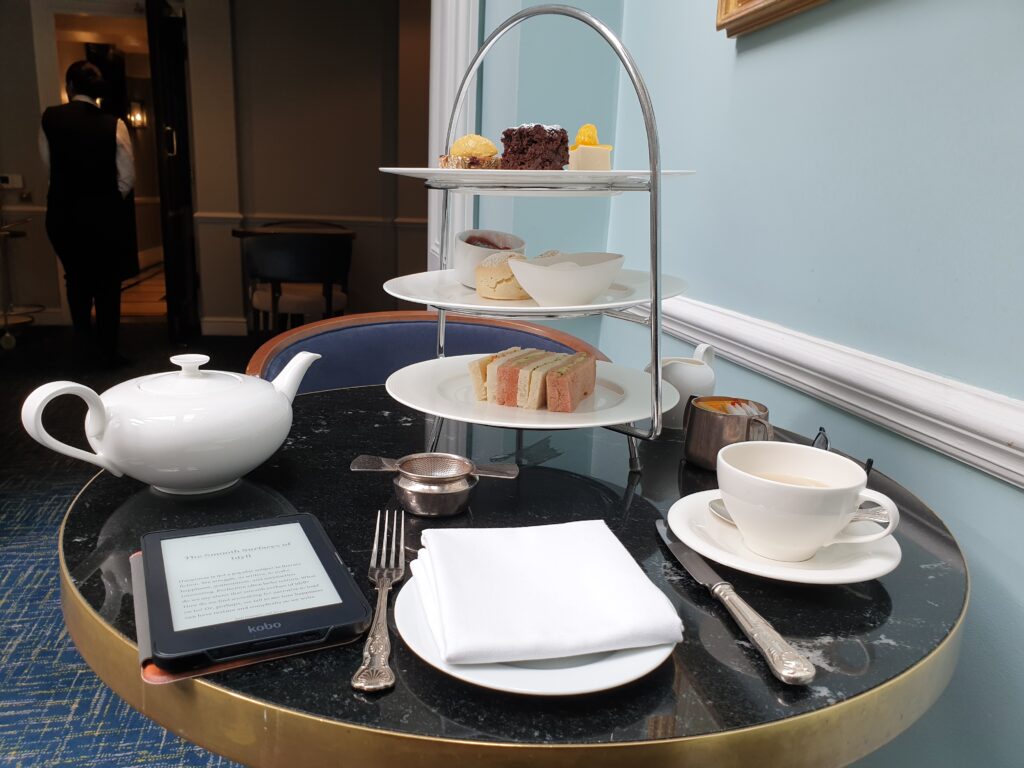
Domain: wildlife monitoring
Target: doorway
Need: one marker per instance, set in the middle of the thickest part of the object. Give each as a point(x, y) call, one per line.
point(119, 46)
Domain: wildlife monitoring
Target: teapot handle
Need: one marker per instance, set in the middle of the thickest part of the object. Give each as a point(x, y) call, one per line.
point(95, 421)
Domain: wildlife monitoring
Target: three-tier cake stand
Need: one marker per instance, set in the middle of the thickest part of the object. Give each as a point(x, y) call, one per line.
point(441, 290)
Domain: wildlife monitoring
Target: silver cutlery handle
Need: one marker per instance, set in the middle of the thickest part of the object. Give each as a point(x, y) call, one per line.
point(504, 471)
point(374, 674)
point(366, 463)
point(784, 660)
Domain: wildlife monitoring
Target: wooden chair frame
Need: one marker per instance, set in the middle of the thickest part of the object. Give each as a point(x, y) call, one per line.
point(272, 348)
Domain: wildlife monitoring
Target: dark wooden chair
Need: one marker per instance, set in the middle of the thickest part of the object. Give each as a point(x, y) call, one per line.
point(292, 271)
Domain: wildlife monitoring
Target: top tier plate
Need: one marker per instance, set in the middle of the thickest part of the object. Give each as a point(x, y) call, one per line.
point(533, 182)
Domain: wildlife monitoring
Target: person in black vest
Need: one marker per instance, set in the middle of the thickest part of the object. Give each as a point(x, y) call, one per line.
point(89, 153)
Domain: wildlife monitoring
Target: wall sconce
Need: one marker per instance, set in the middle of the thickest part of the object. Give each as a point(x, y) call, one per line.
point(137, 115)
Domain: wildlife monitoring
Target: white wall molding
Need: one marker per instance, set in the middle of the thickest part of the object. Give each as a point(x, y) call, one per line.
point(41, 207)
point(380, 221)
point(216, 217)
point(454, 39)
point(981, 428)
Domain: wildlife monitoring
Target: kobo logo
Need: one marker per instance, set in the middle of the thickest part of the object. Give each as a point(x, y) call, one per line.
point(264, 627)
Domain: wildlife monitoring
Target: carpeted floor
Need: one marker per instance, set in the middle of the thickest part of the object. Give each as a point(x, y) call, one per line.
point(53, 710)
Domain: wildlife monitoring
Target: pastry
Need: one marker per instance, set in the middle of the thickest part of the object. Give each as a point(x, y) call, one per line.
point(571, 382)
point(587, 154)
point(535, 147)
point(471, 151)
point(494, 278)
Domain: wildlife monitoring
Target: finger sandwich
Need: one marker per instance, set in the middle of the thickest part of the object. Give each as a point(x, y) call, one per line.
point(572, 382)
point(517, 369)
point(534, 378)
point(478, 370)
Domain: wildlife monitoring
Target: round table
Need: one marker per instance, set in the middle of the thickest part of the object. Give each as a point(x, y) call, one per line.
point(884, 649)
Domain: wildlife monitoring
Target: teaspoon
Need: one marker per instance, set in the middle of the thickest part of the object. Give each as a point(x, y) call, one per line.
point(873, 514)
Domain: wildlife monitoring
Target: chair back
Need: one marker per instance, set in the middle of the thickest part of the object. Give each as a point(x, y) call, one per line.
point(297, 258)
point(360, 350)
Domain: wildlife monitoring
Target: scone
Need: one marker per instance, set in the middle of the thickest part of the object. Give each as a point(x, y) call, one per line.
point(494, 278)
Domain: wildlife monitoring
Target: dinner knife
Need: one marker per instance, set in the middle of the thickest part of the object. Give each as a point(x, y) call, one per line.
point(783, 659)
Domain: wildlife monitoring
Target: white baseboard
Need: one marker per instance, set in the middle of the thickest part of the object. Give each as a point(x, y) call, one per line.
point(223, 326)
point(981, 428)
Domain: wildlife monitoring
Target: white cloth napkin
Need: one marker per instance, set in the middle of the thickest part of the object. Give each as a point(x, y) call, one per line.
point(542, 592)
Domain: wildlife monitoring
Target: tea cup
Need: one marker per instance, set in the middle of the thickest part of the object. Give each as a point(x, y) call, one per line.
point(788, 501)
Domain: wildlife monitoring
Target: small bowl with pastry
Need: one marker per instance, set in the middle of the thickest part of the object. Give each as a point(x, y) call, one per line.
point(475, 245)
point(556, 279)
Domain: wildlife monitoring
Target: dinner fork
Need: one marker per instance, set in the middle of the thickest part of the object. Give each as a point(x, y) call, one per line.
point(386, 569)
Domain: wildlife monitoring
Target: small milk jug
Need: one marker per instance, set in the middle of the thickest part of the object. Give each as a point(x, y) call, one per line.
point(692, 376)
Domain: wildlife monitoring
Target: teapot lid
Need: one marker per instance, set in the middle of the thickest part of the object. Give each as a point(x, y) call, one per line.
point(189, 380)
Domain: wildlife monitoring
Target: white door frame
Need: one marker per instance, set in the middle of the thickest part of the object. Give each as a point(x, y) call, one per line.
point(454, 40)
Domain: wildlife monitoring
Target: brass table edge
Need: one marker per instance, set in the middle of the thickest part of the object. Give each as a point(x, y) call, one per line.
point(256, 732)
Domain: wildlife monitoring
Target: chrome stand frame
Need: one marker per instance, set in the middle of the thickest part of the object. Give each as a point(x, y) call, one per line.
point(653, 187)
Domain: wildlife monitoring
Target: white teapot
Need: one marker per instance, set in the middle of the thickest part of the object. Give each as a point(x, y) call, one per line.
point(186, 431)
point(692, 376)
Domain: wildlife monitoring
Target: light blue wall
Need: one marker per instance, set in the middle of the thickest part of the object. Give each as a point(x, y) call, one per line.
point(571, 76)
point(859, 179)
point(860, 173)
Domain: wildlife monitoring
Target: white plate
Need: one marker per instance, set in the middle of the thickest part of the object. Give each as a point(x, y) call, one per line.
point(532, 182)
point(697, 527)
point(548, 677)
point(442, 387)
point(441, 288)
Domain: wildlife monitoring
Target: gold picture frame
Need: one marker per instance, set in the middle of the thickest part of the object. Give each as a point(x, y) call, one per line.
point(737, 17)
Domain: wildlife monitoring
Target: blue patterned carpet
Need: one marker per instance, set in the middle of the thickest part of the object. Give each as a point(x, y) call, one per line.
point(54, 711)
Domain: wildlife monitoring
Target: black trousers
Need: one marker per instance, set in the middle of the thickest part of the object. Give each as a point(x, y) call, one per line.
point(99, 288)
point(89, 249)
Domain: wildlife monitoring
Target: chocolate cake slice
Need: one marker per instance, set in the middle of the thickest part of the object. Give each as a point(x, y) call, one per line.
point(535, 147)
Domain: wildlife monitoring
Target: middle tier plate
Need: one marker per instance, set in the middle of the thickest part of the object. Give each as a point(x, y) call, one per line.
point(440, 288)
point(442, 387)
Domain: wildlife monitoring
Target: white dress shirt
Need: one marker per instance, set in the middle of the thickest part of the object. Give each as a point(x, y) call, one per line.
point(124, 156)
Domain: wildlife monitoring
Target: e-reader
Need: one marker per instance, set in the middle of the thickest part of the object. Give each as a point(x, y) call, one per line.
point(233, 591)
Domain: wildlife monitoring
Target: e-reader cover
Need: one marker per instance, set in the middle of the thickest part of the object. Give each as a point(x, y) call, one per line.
point(154, 674)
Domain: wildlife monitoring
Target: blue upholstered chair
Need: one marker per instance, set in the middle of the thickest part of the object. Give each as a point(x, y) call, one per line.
point(365, 349)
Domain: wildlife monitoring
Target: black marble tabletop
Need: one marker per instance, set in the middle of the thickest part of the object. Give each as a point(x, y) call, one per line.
point(857, 635)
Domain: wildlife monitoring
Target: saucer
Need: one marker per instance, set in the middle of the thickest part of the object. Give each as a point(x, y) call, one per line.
point(696, 526)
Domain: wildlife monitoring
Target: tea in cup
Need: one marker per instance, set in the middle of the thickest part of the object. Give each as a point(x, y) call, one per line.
point(788, 501)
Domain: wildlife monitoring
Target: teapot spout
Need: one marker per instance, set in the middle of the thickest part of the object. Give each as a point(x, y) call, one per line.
point(288, 380)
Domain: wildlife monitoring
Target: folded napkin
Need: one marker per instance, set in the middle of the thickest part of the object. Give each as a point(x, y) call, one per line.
point(543, 592)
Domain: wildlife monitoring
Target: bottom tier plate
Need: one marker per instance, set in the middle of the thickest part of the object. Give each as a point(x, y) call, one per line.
point(443, 388)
